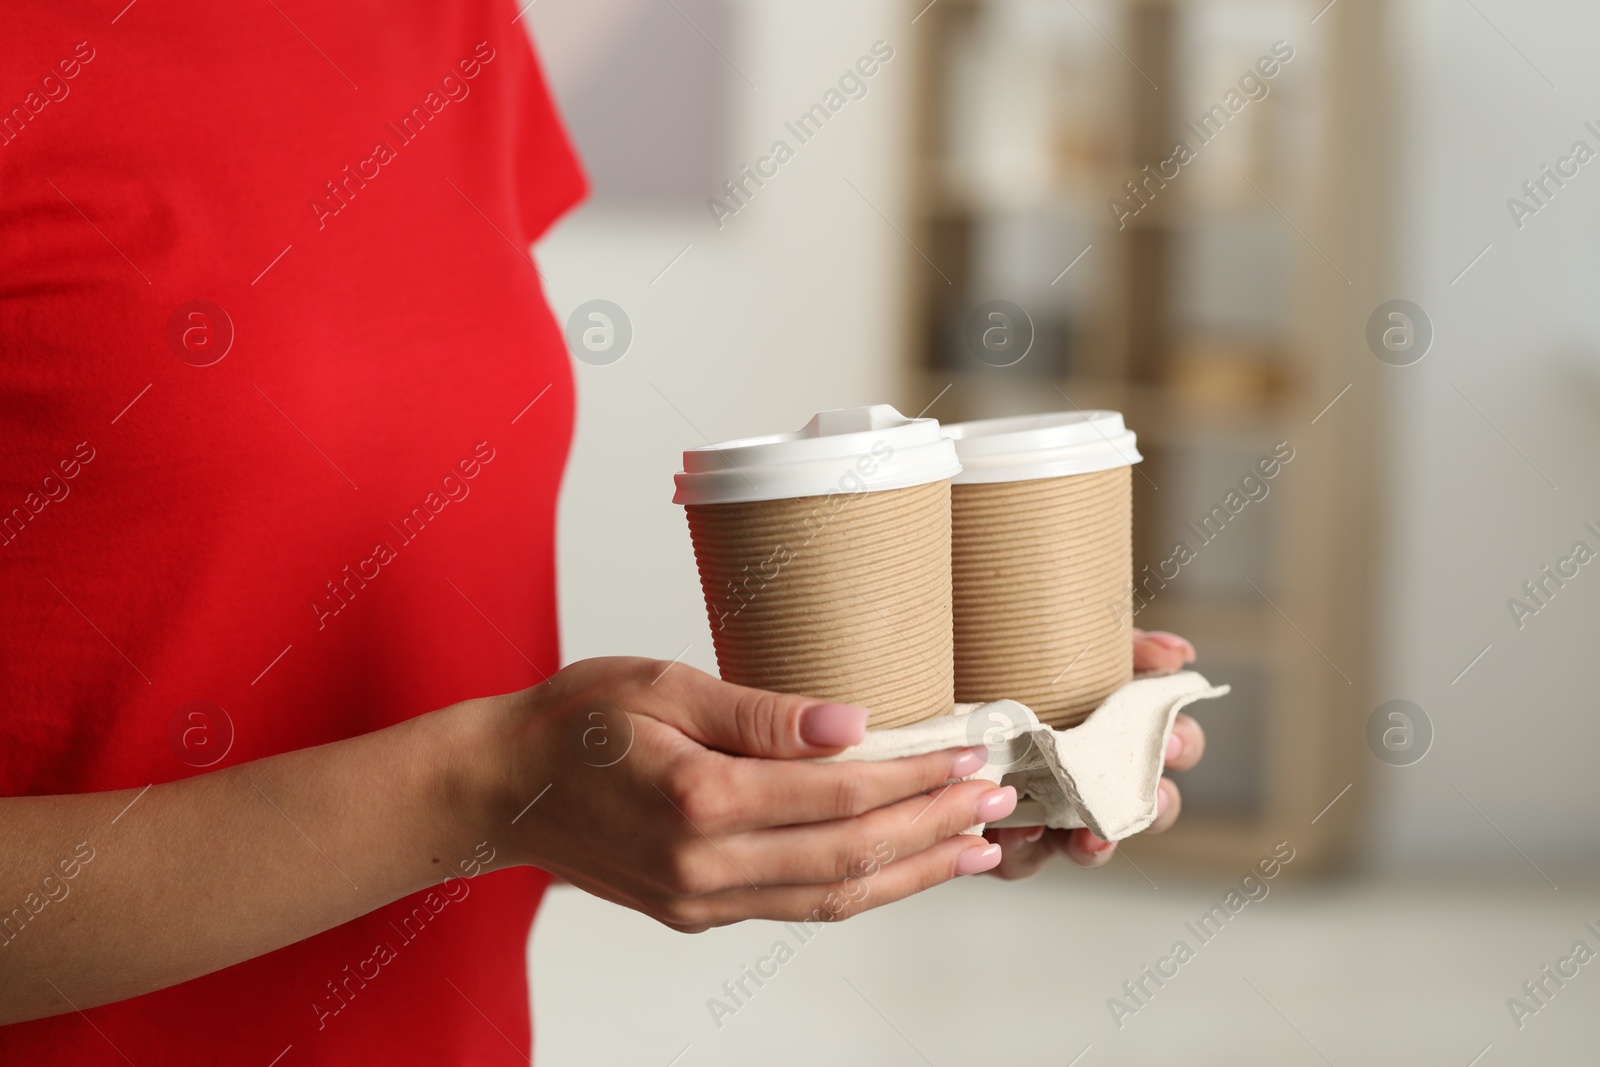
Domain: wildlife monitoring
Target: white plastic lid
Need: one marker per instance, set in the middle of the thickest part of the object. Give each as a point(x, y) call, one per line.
point(1023, 447)
point(850, 450)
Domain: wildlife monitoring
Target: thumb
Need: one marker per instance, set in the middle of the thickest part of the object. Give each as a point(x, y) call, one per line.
point(753, 722)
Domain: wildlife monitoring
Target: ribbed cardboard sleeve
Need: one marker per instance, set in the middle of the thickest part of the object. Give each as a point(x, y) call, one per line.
point(844, 597)
point(1040, 572)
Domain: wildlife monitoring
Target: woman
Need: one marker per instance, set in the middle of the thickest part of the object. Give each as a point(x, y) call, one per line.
point(285, 416)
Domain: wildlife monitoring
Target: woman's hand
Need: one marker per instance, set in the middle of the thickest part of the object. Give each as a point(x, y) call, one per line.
point(634, 780)
point(1025, 849)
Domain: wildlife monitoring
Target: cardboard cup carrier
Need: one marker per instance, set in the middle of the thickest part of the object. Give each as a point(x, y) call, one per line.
point(1042, 559)
point(824, 557)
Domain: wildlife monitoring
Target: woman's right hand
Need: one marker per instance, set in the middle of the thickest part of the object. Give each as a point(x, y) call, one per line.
point(693, 800)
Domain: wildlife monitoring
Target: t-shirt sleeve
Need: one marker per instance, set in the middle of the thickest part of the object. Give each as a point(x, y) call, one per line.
point(547, 179)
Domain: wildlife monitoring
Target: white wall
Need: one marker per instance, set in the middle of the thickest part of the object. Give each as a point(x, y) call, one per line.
point(1519, 335)
point(792, 307)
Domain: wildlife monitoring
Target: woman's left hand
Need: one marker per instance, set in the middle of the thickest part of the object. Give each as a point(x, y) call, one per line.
point(1025, 849)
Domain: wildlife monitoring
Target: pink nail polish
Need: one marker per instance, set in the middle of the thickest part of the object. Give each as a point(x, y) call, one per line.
point(1174, 747)
point(833, 725)
point(1095, 844)
point(969, 762)
point(1172, 642)
point(996, 805)
point(1033, 834)
point(978, 860)
point(1161, 800)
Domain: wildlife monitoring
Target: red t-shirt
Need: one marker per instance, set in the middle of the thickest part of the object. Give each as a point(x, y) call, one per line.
point(283, 414)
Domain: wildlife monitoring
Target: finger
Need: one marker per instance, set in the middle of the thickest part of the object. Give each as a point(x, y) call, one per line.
point(885, 883)
point(753, 722)
point(829, 852)
point(1169, 802)
point(1082, 847)
point(1160, 651)
point(1185, 745)
point(756, 794)
point(1023, 851)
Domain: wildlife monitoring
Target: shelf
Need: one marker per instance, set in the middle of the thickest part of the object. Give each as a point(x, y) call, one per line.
point(1232, 361)
point(944, 197)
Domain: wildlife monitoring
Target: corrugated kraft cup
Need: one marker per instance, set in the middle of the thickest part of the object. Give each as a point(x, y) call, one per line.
point(1042, 558)
point(824, 558)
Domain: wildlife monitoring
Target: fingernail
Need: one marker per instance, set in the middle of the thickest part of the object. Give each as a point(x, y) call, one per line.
point(1174, 747)
point(1172, 642)
point(969, 762)
point(833, 725)
point(1095, 843)
point(1161, 800)
point(1032, 835)
point(978, 860)
point(997, 804)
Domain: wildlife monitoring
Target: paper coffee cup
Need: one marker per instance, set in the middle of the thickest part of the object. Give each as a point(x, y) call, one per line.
point(1042, 560)
point(824, 558)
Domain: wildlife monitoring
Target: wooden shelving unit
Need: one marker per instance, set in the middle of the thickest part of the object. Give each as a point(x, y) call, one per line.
point(1032, 116)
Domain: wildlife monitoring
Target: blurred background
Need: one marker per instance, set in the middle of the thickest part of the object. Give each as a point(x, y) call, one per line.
point(1231, 300)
